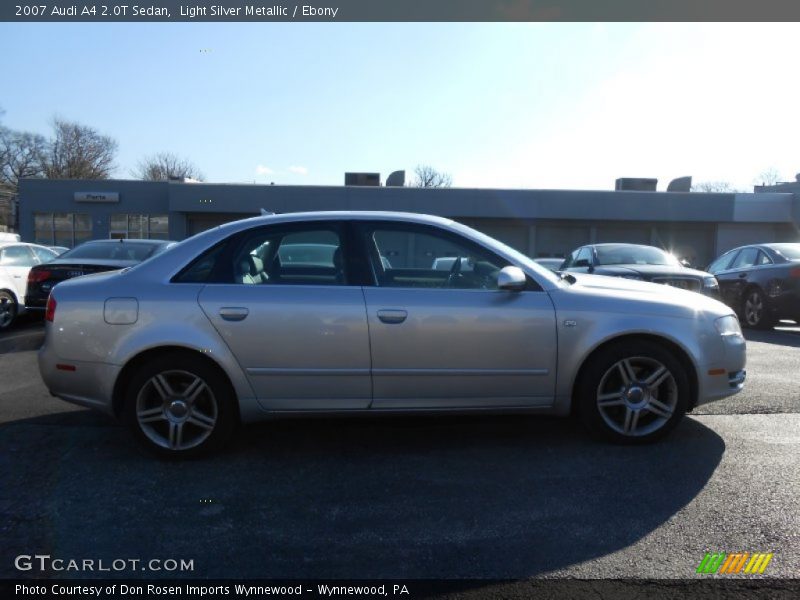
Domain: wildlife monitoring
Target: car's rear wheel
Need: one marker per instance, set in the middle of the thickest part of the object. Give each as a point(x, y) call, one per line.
point(8, 309)
point(180, 406)
point(633, 392)
point(756, 310)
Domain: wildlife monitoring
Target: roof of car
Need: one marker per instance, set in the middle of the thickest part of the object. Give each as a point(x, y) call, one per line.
point(128, 241)
point(346, 214)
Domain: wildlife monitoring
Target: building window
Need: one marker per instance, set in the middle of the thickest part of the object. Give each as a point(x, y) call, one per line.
point(61, 229)
point(123, 226)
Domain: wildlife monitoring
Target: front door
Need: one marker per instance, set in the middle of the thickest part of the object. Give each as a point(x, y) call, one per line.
point(442, 334)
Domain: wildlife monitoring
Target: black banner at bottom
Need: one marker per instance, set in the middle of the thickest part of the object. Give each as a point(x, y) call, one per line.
point(597, 589)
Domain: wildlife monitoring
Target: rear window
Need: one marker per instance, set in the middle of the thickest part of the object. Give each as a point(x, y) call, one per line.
point(114, 251)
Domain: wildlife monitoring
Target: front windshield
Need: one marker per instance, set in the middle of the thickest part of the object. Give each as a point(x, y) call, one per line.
point(788, 251)
point(516, 255)
point(627, 254)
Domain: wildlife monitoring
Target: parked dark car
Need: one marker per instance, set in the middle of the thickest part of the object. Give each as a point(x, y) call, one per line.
point(90, 257)
point(761, 283)
point(645, 263)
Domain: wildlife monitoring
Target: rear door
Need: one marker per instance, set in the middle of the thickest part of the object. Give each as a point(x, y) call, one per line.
point(281, 298)
point(442, 335)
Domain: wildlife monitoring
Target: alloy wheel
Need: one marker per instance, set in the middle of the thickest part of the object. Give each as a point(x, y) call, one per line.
point(753, 308)
point(637, 396)
point(7, 311)
point(176, 410)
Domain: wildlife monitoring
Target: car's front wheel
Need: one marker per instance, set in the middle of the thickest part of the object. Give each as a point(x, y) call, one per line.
point(633, 392)
point(8, 309)
point(180, 406)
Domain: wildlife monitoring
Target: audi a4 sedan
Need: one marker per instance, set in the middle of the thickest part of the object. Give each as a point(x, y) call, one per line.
point(90, 257)
point(645, 263)
point(245, 322)
point(761, 282)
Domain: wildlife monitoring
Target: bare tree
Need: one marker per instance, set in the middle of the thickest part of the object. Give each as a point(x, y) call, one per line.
point(769, 176)
point(425, 176)
point(78, 152)
point(165, 166)
point(20, 156)
point(720, 187)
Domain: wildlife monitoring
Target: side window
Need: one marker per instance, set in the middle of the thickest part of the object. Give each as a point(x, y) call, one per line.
point(763, 259)
point(746, 258)
point(584, 258)
point(722, 262)
point(424, 257)
point(43, 254)
point(16, 256)
point(274, 255)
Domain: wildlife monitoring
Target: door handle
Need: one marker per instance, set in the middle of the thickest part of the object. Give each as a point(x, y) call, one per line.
point(392, 315)
point(233, 313)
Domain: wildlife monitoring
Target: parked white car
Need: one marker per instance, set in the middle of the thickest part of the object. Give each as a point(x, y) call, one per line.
point(16, 259)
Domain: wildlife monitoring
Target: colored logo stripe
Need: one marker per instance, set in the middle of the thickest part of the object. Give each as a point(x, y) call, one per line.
point(723, 563)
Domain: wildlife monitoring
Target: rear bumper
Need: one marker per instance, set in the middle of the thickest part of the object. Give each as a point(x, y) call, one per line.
point(35, 302)
point(90, 384)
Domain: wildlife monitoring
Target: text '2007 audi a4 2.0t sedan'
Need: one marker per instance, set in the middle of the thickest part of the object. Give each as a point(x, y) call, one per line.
point(350, 312)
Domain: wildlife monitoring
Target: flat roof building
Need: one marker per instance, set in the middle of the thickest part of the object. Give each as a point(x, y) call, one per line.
point(696, 226)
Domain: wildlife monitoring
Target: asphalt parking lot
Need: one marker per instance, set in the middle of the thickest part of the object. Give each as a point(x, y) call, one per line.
point(480, 497)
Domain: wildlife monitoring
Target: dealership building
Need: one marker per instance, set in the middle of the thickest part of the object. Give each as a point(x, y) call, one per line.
point(540, 223)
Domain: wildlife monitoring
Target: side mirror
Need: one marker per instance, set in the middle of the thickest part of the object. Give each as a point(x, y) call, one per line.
point(511, 279)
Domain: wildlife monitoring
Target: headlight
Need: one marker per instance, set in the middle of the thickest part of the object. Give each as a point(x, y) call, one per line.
point(728, 325)
point(710, 282)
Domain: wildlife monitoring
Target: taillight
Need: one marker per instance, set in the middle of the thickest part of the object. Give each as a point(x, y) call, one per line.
point(794, 273)
point(37, 275)
point(50, 313)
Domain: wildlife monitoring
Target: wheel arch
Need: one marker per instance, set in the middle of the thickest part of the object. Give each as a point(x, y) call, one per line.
point(135, 362)
point(680, 353)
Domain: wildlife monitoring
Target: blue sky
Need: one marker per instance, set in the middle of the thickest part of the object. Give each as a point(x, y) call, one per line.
point(496, 105)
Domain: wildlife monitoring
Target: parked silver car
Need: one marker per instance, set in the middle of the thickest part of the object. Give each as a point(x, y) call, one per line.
point(226, 327)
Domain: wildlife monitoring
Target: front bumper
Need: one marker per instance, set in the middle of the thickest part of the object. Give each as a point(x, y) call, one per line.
point(726, 376)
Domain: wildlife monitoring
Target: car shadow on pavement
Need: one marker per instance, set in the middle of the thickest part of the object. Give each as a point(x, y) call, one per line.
point(779, 337)
point(426, 497)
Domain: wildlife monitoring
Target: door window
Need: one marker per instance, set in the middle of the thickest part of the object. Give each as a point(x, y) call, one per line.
point(763, 259)
point(746, 258)
point(722, 262)
point(425, 257)
point(278, 255)
point(16, 256)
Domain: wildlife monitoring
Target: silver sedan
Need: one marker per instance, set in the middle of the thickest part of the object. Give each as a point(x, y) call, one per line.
point(353, 312)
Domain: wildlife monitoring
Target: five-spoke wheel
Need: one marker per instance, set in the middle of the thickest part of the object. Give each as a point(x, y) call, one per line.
point(633, 392)
point(179, 405)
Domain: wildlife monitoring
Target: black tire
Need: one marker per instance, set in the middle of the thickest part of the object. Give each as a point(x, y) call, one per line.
point(8, 309)
point(649, 418)
point(199, 425)
point(755, 310)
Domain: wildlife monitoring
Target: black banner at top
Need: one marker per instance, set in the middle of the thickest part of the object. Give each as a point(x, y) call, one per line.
point(398, 10)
